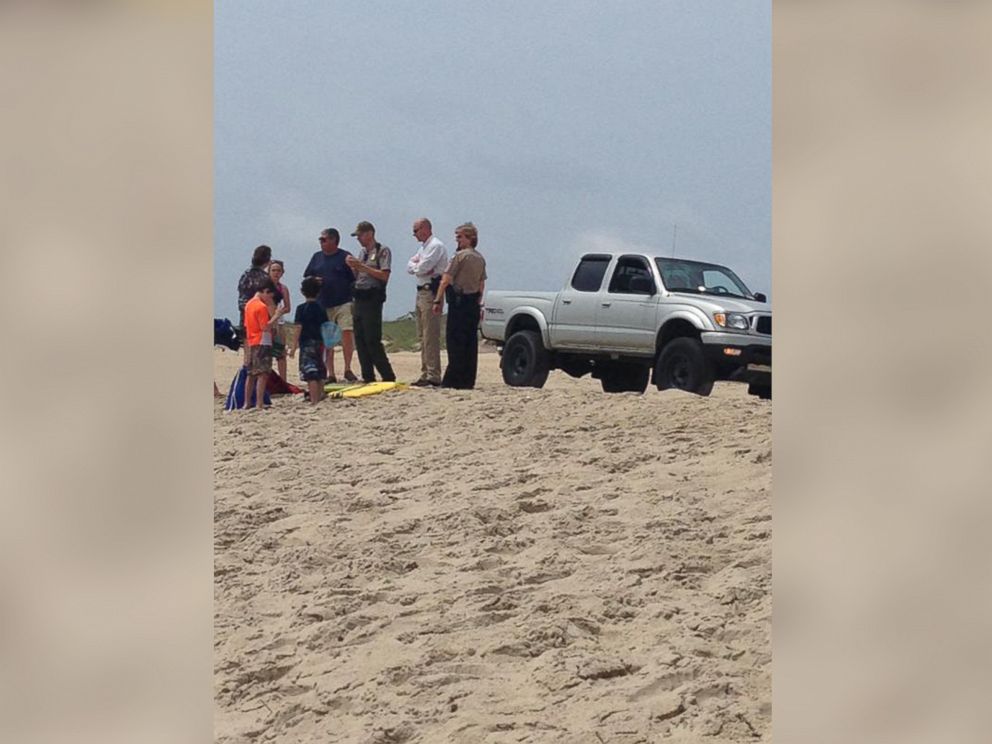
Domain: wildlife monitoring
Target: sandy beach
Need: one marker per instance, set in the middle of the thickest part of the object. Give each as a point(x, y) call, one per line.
point(496, 565)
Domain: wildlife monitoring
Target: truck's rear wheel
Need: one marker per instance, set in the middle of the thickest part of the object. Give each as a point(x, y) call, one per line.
point(623, 377)
point(525, 361)
point(682, 365)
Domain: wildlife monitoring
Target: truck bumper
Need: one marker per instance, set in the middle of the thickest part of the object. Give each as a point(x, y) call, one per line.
point(741, 349)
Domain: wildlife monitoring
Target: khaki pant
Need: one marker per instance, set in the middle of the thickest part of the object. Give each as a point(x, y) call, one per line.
point(429, 333)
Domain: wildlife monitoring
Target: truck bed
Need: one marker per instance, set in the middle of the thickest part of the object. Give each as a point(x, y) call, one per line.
point(500, 302)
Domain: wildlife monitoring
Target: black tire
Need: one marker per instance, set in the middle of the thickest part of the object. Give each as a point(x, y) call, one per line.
point(525, 361)
point(623, 377)
point(762, 391)
point(683, 366)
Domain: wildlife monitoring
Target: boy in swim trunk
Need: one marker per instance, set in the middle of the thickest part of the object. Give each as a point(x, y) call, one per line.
point(310, 315)
point(260, 317)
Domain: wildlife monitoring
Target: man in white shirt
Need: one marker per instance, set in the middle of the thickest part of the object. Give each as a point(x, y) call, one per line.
point(427, 265)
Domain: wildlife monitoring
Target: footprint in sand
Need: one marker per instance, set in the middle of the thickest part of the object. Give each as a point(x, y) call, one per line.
point(534, 507)
point(597, 549)
point(665, 683)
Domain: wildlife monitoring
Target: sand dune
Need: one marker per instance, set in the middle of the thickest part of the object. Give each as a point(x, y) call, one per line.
point(500, 565)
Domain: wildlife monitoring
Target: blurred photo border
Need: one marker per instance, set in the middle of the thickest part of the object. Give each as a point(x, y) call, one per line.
point(881, 164)
point(881, 428)
point(107, 228)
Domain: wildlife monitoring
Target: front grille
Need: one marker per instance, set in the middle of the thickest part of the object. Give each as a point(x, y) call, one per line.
point(764, 324)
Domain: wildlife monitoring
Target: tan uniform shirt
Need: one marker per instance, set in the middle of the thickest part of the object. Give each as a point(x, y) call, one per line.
point(468, 270)
point(380, 258)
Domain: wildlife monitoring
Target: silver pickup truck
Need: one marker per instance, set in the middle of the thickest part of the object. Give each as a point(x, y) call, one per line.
point(628, 318)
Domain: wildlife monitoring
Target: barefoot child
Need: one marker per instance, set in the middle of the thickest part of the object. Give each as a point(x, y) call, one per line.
point(276, 272)
point(261, 316)
point(309, 316)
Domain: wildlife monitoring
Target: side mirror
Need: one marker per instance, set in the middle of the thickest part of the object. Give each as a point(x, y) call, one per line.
point(641, 285)
point(758, 297)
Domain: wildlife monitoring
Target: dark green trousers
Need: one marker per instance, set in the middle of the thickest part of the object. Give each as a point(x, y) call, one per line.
point(367, 317)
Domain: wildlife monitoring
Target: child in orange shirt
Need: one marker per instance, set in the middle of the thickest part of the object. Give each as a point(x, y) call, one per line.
point(261, 316)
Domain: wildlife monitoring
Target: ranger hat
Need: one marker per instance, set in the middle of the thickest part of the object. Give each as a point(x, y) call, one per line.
point(363, 226)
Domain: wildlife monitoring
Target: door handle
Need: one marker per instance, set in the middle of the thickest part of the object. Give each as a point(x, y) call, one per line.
point(566, 302)
point(607, 304)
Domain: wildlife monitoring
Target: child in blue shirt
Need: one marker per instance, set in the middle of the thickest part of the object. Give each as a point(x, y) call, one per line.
point(310, 315)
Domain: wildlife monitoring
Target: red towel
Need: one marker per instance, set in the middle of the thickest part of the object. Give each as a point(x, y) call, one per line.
point(278, 386)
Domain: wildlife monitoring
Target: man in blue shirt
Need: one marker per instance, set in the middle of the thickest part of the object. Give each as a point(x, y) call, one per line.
point(336, 281)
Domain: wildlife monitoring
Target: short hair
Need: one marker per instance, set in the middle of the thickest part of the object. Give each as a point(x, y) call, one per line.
point(332, 233)
point(310, 287)
point(266, 284)
point(275, 261)
point(471, 232)
point(261, 256)
point(426, 223)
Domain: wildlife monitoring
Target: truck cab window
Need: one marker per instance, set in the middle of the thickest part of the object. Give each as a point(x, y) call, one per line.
point(588, 276)
point(627, 268)
point(719, 282)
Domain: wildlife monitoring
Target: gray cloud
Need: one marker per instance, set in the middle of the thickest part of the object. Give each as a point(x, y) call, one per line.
point(541, 122)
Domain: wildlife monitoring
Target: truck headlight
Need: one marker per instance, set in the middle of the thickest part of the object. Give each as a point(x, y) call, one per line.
point(734, 321)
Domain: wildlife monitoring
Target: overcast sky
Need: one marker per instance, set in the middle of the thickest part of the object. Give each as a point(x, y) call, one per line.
point(556, 126)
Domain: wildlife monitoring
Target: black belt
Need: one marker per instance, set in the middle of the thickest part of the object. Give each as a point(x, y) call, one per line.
point(432, 285)
point(458, 299)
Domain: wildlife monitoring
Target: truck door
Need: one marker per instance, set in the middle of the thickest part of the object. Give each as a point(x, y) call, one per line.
point(628, 307)
point(573, 325)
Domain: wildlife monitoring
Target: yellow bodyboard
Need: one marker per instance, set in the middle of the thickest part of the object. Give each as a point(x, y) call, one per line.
point(372, 388)
point(337, 387)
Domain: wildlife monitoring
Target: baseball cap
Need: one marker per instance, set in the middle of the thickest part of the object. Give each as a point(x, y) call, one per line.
point(363, 226)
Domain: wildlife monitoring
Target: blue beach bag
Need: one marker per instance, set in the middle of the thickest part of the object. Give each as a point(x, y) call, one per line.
point(331, 333)
point(236, 395)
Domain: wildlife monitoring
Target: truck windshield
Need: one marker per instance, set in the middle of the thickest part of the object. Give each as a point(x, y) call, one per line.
point(682, 275)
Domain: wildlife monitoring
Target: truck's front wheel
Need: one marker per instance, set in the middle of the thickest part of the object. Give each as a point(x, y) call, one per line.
point(762, 391)
point(683, 366)
point(525, 361)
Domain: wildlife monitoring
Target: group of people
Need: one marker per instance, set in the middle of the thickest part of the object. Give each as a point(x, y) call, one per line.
point(350, 290)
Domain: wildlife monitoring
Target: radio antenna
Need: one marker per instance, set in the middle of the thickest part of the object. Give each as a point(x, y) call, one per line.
point(675, 229)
